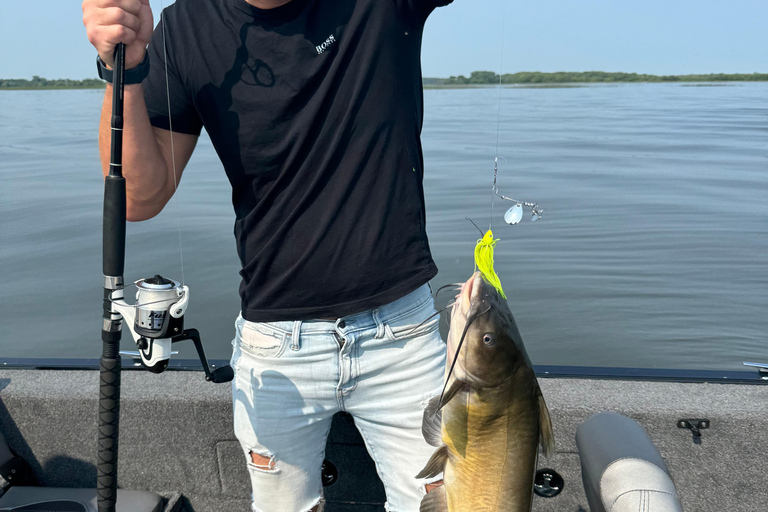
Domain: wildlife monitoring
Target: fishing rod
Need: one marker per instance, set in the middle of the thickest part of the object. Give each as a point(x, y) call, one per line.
point(155, 321)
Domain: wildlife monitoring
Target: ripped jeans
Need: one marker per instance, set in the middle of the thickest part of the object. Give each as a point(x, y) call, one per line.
point(291, 377)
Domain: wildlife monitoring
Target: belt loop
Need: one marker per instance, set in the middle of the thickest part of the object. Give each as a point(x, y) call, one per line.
point(295, 335)
point(379, 325)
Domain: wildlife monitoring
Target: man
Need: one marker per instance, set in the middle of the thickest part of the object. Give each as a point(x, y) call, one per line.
point(315, 109)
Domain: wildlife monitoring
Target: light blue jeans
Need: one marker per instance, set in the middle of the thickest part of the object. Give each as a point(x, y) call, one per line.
point(291, 377)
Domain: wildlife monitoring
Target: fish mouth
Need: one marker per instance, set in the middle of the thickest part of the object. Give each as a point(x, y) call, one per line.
point(468, 295)
point(466, 309)
point(469, 292)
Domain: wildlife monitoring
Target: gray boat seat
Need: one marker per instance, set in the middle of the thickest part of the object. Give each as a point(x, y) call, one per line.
point(621, 468)
point(56, 499)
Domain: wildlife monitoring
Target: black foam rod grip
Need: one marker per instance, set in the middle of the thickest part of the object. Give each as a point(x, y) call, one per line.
point(113, 261)
point(109, 427)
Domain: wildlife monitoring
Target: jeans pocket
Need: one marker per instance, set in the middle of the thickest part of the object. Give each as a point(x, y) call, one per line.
point(260, 340)
point(414, 323)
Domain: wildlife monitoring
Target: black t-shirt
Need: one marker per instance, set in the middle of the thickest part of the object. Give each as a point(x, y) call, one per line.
point(315, 109)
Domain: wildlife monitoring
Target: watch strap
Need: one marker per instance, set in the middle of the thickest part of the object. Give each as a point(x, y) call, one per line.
point(132, 76)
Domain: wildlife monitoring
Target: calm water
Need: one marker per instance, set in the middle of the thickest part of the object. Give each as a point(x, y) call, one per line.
point(653, 249)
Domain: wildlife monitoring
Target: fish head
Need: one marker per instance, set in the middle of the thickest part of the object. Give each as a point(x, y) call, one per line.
point(492, 349)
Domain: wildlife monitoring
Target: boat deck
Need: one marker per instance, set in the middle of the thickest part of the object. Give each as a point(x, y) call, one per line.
point(176, 438)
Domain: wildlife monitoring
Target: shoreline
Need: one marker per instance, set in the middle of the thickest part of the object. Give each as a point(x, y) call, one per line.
point(476, 79)
point(51, 88)
point(541, 85)
point(571, 85)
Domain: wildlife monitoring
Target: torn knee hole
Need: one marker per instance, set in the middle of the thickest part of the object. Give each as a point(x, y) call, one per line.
point(263, 462)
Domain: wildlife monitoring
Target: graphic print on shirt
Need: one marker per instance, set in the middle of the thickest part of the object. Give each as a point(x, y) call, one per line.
point(328, 42)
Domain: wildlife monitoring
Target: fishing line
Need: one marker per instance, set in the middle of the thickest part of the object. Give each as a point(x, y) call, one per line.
point(170, 129)
point(498, 110)
point(514, 214)
point(121, 300)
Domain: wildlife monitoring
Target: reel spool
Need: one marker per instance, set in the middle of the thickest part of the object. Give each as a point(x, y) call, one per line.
point(160, 307)
point(155, 319)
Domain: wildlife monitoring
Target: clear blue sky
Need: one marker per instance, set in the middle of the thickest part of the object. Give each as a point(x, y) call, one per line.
point(47, 38)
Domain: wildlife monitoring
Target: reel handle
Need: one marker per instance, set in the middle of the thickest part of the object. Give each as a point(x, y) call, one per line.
point(217, 376)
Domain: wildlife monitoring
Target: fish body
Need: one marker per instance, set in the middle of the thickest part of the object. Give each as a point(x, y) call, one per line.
point(491, 417)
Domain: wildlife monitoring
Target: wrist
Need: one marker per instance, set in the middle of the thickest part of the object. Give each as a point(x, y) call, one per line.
point(132, 76)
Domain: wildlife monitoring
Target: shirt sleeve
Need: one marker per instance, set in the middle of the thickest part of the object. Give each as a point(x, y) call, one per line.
point(181, 116)
point(419, 9)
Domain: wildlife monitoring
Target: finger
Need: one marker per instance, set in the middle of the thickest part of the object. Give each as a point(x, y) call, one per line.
point(131, 6)
point(147, 24)
point(110, 36)
point(98, 38)
point(117, 16)
point(89, 11)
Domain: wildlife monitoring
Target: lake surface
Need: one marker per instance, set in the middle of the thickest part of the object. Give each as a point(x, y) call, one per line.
point(652, 252)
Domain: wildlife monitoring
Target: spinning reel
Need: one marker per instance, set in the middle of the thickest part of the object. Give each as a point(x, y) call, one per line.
point(156, 321)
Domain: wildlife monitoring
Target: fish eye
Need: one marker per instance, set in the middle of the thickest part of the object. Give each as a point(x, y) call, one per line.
point(489, 339)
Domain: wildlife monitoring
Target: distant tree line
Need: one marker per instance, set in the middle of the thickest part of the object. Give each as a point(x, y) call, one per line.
point(476, 78)
point(43, 83)
point(564, 77)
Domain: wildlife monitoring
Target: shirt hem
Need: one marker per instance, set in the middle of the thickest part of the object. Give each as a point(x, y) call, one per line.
point(345, 308)
point(161, 121)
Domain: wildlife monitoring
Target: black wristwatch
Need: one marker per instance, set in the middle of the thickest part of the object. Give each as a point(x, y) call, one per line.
point(132, 76)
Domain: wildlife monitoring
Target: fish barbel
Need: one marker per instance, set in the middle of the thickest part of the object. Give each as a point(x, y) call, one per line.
point(491, 416)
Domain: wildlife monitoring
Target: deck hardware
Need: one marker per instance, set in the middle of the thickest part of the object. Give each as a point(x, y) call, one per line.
point(695, 426)
point(762, 369)
point(329, 473)
point(16, 471)
point(548, 483)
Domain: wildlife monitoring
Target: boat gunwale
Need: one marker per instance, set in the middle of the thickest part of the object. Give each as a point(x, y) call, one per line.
point(542, 371)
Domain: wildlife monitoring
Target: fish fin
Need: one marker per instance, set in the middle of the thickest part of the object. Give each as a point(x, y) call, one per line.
point(435, 501)
point(547, 436)
point(431, 425)
point(436, 463)
point(450, 392)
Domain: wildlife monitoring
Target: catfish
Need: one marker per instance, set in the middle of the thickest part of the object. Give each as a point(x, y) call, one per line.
point(491, 417)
